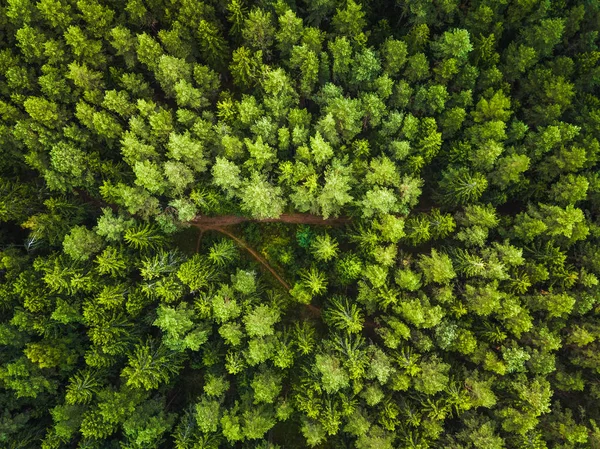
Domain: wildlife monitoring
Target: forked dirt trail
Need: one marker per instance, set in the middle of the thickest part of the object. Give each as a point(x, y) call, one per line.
point(218, 224)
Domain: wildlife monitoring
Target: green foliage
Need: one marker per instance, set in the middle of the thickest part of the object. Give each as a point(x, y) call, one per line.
point(459, 186)
point(223, 253)
point(299, 224)
point(196, 273)
point(111, 226)
point(313, 280)
point(259, 322)
point(81, 243)
point(437, 268)
point(266, 386)
point(180, 332)
point(150, 365)
point(260, 198)
point(332, 374)
point(324, 248)
point(344, 316)
point(144, 236)
point(111, 261)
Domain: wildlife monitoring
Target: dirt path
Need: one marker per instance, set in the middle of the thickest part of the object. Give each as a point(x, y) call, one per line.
point(219, 223)
point(296, 218)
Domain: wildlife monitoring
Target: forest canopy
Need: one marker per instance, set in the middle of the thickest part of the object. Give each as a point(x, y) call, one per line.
point(266, 224)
